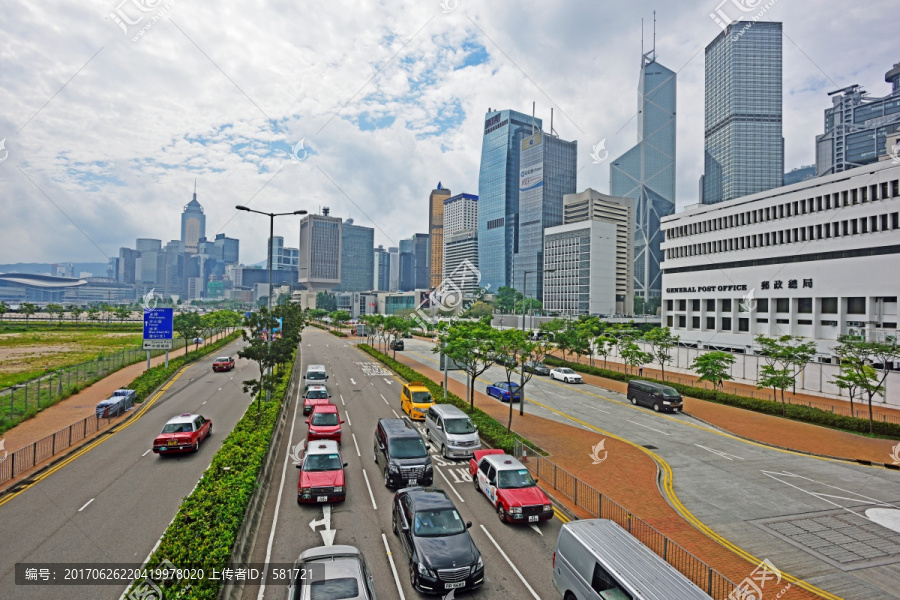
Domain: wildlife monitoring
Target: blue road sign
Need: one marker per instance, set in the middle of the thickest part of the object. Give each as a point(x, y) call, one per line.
point(158, 323)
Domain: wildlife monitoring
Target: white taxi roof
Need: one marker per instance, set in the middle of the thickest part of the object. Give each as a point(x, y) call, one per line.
point(183, 418)
point(316, 387)
point(503, 462)
point(322, 447)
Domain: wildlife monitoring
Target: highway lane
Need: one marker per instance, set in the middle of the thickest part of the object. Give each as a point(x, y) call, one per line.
point(812, 518)
point(517, 558)
point(112, 503)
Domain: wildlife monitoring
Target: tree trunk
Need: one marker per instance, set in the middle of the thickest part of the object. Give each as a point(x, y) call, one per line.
point(871, 417)
point(662, 367)
point(783, 405)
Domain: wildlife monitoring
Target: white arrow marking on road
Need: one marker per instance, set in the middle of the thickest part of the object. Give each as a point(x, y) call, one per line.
point(535, 527)
point(724, 455)
point(389, 382)
point(353, 381)
point(441, 473)
point(85, 505)
point(328, 533)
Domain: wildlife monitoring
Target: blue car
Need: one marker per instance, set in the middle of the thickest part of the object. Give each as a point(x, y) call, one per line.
point(503, 390)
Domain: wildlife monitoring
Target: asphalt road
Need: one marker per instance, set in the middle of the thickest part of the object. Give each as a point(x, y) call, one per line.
point(112, 503)
point(517, 558)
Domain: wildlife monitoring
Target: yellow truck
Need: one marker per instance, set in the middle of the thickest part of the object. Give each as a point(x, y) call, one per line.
point(415, 400)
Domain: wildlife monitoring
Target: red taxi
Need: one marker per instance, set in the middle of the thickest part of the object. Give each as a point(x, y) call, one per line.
point(223, 363)
point(315, 395)
point(321, 474)
point(324, 424)
point(509, 486)
point(182, 434)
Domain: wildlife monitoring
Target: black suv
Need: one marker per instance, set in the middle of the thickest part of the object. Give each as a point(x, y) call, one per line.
point(401, 454)
point(396, 345)
point(439, 550)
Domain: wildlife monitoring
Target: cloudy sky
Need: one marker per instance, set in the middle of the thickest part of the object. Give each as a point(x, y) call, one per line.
point(111, 108)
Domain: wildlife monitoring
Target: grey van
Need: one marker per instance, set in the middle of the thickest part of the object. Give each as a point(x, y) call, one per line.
point(595, 559)
point(657, 396)
point(451, 430)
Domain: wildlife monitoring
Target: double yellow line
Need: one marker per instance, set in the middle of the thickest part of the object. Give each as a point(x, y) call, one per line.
point(144, 408)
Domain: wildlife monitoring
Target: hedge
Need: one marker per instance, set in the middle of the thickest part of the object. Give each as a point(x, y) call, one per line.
point(331, 331)
point(489, 429)
point(205, 528)
point(795, 412)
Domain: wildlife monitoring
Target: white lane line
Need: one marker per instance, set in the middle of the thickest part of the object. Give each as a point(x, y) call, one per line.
point(385, 399)
point(287, 456)
point(648, 427)
point(388, 381)
point(503, 554)
point(368, 485)
point(85, 505)
point(349, 422)
point(387, 549)
point(202, 403)
point(355, 444)
point(342, 400)
point(146, 453)
point(553, 393)
point(593, 407)
point(395, 413)
point(724, 455)
point(450, 484)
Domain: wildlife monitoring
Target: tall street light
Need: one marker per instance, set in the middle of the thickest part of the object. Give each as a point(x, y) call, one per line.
point(271, 251)
point(522, 366)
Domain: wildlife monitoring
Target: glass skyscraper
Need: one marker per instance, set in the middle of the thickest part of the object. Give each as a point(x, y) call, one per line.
point(744, 148)
point(547, 168)
point(498, 193)
point(646, 172)
point(193, 223)
point(357, 258)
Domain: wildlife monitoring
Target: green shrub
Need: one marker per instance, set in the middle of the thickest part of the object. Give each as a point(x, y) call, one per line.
point(333, 332)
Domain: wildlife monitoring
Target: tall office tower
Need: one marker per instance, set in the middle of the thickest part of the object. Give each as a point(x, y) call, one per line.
point(230, 248)
point(857, 126)
point(460, 247)
point(127, 258)
point(436, 231)
point(173, 282)
point(744, 148)
point(283, 258)
point(646, 172)
point(193, 223)
point(407, 281)
point(498, 193)
point(421, 249)
point(382, 268)
point(357, 258)
point(460, 215)
point(591, 205)
point(394, 254)
point(147, 245)
point(112, 269)
point(547, 168)
point(320, 251)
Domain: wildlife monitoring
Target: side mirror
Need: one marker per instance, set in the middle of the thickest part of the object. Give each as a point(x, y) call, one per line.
point(346, 464)
point(440, 427)
point(468, 524)
point(299, 466)
point(307, 421)
point(342, 420)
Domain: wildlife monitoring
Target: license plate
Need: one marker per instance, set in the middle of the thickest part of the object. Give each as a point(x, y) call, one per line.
point(454, 586)
point(676, 409)
point(172, 442)
point(532, 518)
point(322, 499)
point(411, 483)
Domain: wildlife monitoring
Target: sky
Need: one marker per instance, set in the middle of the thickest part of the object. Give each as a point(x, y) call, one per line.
point(112, 108)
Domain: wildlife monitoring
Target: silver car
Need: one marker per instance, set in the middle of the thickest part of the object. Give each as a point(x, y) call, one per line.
point(452, 431)
point(331, 572)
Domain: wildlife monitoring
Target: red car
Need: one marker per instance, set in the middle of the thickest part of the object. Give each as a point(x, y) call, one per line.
point(182, 434)
point(321, 474)
point(324, 424)
point(315, 395)
point(223, 363)
point(509, 486)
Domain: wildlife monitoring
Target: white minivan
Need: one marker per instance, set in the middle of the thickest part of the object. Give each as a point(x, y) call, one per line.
point(595, 559)
point(452, 431)
point(315, 375)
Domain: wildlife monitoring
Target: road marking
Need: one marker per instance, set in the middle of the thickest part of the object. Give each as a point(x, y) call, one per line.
point(554, 394)
point(395, 413)
point(349, 422)
point(328, 533)
point(85, 505)
point(204, 402)
point(342, 400)
point(353, 381)
point(503, 554)
point(535, 527)
point(385, 399)
point(724, 455)
point(368, 485)
point(388, 381)
point(648, 427)
point(387, 550)
point(355, 444)
point(451, 485)
point(146, 453)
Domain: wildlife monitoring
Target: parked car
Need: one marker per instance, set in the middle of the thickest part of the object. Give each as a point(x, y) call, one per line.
point(182, 434)
point(452, 431)
point(197, 340)
point(321, 474)
point(566, 374)
point(504, 390)
point(396, 345)
point(537, 368)
point(331, 572)
point(315, 395)
point(657, 396)
point(324, 424)
point(509, 486)
point(401, 454)
point(415, 400)
point(436, 542)
point(508, 361)
point(223, 363)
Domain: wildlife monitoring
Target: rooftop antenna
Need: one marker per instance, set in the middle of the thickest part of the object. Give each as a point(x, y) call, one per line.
point(552, 131)
point(642, 37)
point(195, 188)
point(654, 35)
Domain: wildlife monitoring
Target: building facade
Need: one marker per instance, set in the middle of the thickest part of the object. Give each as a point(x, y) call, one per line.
point(460, 212)
point(230, 248)
point(357, 257)
point(147, 245)
point(806, 259)
point(421, 250)
point(193, 223)
point(320, 252)
point(856, 127)
point(436, 233)
point(394, 254)
point(581, 271)
point(498, 193)
point(460, 256)
point(592, 205)
point(127, 260)
point(646, 172)
point(382, 270)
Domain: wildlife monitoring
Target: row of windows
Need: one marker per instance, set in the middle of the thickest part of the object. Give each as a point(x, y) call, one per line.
point(835, 200)
point(495, 223)
point(827, 306)
point(871, 224)
point(743, 323)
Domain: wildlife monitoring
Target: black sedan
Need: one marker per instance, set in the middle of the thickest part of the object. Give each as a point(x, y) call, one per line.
point(537, 368)
point(396, 345)
point(439, 551)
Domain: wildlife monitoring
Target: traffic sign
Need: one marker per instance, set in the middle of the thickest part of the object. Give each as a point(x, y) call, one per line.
point(157, 344)
point(158, 328)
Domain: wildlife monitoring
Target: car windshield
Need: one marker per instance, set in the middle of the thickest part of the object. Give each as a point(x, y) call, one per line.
point(408, 448)
point(223, 359)
point(519, 478)
point(329, 418)
point(565, 370)
point(437, 523)
point(322, 462)
point(459, 426)
point(177, 428)
point(422, 397)
point(668, 392)
point(317, 394)
point(316, 375)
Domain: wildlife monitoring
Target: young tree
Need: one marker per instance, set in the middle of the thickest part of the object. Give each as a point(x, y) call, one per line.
point(257, 349)
point(27, 309)
point(603, 345)
point(56, 309)
point(316, 314)
point(479, 310)
point(634, 356)
point(188, 326)
point(714, 367)
point(661, 343)
point(93, 314)
point(862, 357)
point(513, 346)
point(75, 311)
point(854, 375)
point(786, 357)
point(471, 346)
point(4, 308)
point(396, 327)
point(339, 317)
point(122, 313)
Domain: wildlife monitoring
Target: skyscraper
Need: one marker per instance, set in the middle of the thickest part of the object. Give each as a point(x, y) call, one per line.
point(436, 231)
point(193, 223)
point(147, 245)
point(460, 212)
point(127, 258)
point(357, 257)
point(498, 193)
point(320, 252)
point(230, 248)
point(460, 234)
point(646, 172)
point(547, 168)
point(382, 264)
point(174, 269)
point(421, 250)
point(744, 148)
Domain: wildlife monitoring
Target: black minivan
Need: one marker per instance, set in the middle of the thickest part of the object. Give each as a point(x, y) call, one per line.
point(402, 455)
point(656, 395)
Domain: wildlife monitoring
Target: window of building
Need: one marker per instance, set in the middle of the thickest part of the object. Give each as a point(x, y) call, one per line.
point(856, 306)
point(695, 322)
point(895, 221)
point(762, 305)
point(726, 323)
point(726, 304)
point(804, 305)
point(762, 320)
point(804, 322)
point(710, 323)
point(828, 323)
point(864, 225)
point(695, 305)
point(669, 321)
point(682, 321)
point(782, 305)
point(669, 304)
point(682, 305)
point(884, 222)
point(829, 306)
point(711, 305)
point(782, 321)
point(743, 324)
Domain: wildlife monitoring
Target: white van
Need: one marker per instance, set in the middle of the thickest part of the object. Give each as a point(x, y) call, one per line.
point(452, 431)
point(595, 559)
point(315, 375)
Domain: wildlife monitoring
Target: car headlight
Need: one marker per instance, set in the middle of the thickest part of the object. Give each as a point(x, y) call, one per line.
point(423, 570)
point(516, 510)
point(667, 402)
point(339, 488)
point(548, 507)
point(479, 563)
point(393, 469)
point(304, 490)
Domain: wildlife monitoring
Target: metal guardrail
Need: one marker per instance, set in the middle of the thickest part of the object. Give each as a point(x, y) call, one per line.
point(584, 496)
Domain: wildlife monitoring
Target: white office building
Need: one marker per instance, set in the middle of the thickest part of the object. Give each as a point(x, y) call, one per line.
point(816, 259)
point(581, 260)
point(460, 258)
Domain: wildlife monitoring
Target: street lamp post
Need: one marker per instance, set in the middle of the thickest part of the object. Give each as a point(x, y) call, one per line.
point(271, 251)
point(522, 366)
